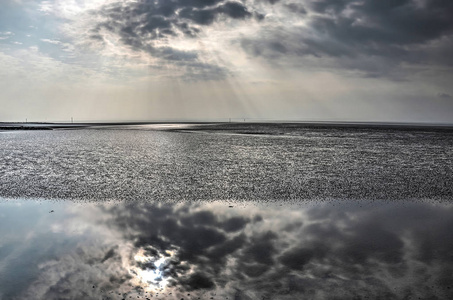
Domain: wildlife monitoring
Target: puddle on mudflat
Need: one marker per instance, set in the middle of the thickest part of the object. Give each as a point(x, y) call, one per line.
point(221, 250)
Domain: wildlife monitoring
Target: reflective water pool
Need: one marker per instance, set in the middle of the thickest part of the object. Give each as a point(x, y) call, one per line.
point(218, 250)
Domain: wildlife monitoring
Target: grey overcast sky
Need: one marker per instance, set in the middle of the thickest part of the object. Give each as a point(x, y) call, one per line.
point(308, 60)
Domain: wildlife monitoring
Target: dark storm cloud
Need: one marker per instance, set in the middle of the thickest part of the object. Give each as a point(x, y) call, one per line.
point(270, 1)
point(444, 95)
point(296, 8)
point(261, 249)
point(235, 224)
point(197, 281)
point(395, 23)
point(140, 24)
point(297, 258)
point(352, 32)
point(207, 16)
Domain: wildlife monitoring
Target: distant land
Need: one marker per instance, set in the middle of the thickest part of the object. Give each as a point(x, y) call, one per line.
point(248, 127)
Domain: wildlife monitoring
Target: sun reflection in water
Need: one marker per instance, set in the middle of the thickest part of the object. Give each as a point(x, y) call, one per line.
point(150, 270)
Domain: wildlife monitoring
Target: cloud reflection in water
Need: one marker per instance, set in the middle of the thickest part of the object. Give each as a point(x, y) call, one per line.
point(339, 250)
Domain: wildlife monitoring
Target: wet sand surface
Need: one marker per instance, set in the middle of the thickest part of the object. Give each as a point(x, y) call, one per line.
point(187, 162)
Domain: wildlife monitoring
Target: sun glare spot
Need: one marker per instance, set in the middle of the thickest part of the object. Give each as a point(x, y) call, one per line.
point(150, 270)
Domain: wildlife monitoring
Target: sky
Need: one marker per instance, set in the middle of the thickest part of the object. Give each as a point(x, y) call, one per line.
point(203, 60)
